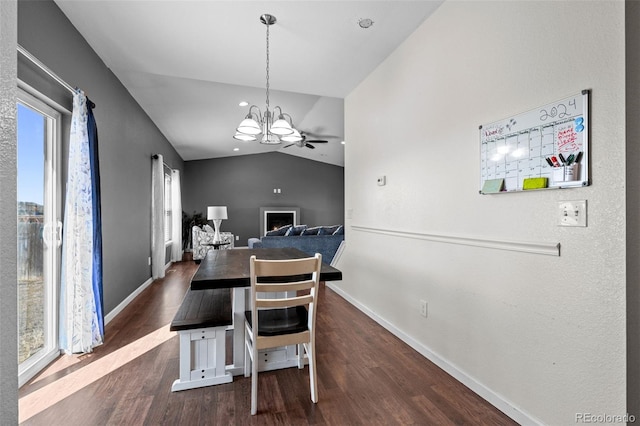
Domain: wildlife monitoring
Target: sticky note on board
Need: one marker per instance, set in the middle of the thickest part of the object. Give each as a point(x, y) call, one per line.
point(491, 186)
point(535, 183)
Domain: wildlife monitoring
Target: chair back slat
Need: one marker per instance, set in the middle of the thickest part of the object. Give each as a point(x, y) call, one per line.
point(284, 303)
point(282, 268)
point(280, 287)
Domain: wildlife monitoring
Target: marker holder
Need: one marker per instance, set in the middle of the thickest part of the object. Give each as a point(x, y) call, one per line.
point(566, 173)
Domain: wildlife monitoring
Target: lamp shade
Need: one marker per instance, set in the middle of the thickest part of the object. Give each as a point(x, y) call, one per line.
point(216, 212)
point(293, 137)
point(281, 127)
point(249, 126)
point(244, 137)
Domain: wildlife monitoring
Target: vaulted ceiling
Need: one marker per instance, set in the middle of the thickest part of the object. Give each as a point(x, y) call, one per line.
point(190, 63)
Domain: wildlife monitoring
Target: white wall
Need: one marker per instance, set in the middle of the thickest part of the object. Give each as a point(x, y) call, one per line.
point(543, 334)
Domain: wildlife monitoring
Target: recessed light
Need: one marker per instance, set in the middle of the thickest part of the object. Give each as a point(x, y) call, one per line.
point(365, 22)
point(243, 103)
point(236, 149)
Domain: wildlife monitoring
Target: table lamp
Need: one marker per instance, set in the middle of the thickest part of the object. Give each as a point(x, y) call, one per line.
point(216, 214)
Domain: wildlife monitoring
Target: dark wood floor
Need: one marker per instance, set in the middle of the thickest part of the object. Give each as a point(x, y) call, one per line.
point(366, 376)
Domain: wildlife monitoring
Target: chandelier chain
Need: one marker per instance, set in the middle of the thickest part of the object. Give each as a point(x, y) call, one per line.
point(267, 67)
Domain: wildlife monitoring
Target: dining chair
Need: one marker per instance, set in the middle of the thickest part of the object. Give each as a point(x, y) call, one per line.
point(287, 319)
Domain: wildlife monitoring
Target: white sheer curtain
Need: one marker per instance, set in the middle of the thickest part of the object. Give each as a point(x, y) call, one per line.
point(80, 310)
point(157, 217)
point(176, 217)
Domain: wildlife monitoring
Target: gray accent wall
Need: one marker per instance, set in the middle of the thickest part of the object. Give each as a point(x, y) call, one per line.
point(127, 140)
point(246, 183)
point(8, 217)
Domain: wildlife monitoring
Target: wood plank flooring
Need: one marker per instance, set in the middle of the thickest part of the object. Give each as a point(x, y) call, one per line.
point(366, 376)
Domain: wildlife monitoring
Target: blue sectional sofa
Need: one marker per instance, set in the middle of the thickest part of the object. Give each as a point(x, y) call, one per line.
point(326, 245)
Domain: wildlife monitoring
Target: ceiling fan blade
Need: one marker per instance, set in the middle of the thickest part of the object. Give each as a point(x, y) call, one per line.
point(309, 146)
point(319, 135)
point(317, 141)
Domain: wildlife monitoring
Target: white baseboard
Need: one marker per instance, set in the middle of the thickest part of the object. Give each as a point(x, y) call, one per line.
point(490, 396)
point(111, 315)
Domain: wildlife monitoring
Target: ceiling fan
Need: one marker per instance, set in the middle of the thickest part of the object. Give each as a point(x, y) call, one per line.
point(307, 142)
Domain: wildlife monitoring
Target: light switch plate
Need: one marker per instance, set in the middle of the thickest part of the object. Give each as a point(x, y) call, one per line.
point(572, 213)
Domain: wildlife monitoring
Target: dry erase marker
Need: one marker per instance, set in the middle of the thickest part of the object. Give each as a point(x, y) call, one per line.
point(555, 162)
point(549, 161)
point(562, 159)
point(570, 159)
point(579, 157)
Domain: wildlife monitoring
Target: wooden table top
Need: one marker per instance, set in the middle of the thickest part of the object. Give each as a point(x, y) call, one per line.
point(230, 268)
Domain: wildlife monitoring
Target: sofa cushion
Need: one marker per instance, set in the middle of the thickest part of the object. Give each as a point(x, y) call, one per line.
point(280, 232)
point(208, 228)
point(295, 230)
point(328, 230)
point(252, 243)
point(311, 231)
point(339, 231)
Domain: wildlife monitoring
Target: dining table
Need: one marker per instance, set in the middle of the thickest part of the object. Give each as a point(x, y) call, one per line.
point(230, 269)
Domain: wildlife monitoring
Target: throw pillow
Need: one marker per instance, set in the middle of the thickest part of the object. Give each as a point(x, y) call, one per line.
point(280, 232)
point(295, 230)
point(311, 231)
point(208, 228)
point(328, 230)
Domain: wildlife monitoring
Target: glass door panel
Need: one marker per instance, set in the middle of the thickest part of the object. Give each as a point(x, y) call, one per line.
point(31, 220)
point(39, 233)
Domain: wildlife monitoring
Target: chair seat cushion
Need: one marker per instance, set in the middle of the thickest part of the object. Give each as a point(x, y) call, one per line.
point(274, 322)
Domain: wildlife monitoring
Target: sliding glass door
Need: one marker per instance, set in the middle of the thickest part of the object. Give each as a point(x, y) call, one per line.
point(39, 234)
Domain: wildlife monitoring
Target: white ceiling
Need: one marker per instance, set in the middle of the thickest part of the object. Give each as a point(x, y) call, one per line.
point(189, 63)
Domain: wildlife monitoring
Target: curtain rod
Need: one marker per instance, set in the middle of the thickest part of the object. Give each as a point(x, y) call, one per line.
point(155, 157)
point(46, 69)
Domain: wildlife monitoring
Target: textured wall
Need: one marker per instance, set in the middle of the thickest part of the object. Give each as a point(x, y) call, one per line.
point(542, 334)
point(246, 183)
point(8, 219)
point(632, 31)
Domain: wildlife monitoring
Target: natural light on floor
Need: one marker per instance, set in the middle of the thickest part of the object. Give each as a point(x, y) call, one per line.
point(51, 394)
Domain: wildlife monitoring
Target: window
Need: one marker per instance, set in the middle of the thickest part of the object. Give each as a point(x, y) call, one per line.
point(167, 208)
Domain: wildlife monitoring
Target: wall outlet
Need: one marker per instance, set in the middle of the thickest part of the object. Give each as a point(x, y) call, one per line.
point(237, 237)
point(423, 308)
point(149, 260)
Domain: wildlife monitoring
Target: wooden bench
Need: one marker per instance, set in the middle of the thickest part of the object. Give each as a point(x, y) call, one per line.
point(201, 322)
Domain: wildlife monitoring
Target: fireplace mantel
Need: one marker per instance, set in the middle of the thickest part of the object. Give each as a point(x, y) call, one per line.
point(278, 216)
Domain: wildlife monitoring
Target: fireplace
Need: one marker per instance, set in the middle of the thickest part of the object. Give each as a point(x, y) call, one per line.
point(274, 217)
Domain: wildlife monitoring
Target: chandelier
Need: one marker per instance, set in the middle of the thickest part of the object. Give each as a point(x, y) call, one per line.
point(274, 130)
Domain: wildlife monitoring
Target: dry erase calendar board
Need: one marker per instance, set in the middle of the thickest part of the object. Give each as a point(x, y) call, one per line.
point(550, 142)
